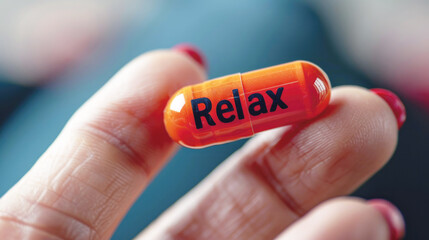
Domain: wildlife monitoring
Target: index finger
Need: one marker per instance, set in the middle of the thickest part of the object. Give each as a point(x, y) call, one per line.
point(108, 152)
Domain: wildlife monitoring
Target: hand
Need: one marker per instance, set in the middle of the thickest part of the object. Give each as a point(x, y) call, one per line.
point(114, 145)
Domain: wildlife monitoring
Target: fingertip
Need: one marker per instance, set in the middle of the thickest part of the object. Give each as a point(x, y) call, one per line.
point(168, 67)
point(192, 51)
point(340, 218)
point(371, 121)
point(392, 216)
point(394, 103)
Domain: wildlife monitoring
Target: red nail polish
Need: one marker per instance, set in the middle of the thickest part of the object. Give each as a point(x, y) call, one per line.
point(395, 104)
point(193, 52)
point(393, 217)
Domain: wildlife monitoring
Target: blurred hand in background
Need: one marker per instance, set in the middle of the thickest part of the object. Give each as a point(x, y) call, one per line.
point(41, 39)
point(388, 40)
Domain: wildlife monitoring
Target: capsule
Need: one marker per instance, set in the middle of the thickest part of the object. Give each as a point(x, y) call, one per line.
point(239, 105)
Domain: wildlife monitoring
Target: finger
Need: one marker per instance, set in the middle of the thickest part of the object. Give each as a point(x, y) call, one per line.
point(279, 175)
point(108, 152)
point(346, 218)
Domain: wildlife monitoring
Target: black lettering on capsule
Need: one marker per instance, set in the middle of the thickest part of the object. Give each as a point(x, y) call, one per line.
point(203, 113)
point(220, 111)
point(238, 104)
point(276, 99)
point(224, 106)
point(259, 106)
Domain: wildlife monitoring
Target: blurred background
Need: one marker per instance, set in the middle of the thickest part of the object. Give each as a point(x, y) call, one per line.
point(55, 54)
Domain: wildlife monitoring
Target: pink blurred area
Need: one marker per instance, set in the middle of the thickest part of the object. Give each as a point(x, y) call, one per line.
point(388, 40)
point(41, 39)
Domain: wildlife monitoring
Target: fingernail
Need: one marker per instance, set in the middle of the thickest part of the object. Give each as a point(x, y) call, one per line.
point(392, 215)
point(191, 51)
point(395, 104)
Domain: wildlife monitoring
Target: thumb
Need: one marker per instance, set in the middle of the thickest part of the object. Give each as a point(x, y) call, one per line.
point(348, 218)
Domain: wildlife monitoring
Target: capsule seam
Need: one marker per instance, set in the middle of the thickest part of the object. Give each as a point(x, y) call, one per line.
point(245, 102)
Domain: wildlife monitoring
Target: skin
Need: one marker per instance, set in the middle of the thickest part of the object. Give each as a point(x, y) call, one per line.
point(277, 185)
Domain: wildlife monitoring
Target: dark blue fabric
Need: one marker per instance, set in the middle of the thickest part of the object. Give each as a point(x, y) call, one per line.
point(11, 96)
point(236, 36)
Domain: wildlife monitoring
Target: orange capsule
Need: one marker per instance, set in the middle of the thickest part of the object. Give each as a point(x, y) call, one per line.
point(239, 105)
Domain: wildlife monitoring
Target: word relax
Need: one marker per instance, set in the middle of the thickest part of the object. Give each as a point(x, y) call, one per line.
point(256, 108)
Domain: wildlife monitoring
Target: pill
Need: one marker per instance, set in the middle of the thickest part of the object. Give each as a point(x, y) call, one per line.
point(239, 105)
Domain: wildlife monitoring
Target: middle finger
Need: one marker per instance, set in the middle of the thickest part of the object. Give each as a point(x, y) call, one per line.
point(280, 175)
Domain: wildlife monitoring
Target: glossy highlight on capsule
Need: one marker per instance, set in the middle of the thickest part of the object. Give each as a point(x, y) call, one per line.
point(239, 105)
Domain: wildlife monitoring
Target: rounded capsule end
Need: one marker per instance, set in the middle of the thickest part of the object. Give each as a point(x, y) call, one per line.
point(318, 87)
point(176, 119)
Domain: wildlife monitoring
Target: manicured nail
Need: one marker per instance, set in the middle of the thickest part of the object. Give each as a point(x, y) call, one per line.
point(393, 217)
point(395, 104)
point(191, 51)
